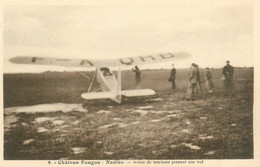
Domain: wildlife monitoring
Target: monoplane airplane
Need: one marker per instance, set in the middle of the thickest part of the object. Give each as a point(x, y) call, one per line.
point(109, 84)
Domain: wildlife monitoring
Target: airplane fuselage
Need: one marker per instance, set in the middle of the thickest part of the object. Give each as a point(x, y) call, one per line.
point(109, 83)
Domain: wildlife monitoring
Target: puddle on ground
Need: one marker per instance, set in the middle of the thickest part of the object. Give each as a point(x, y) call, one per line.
point(187, 122)
point(145, 107)
point(78, 150)
point(136, 122)
point(52, 107)
point(173, 146)
point(43, 119)
point(66, 158)
point(211, 152)
point(176, 111)
point(159, 151)
point(203, 137)
point(103, 112)
point(63, 134)
point(161, 112)
point(186, 131)
point(116, 119)
point(9, 122)
point(64, 126)
point(191, 146)
point(172, 115)
point(28, 141)
point(42, 129)
point(157, 120)
point(99, 142)
point(144, 112)
point(58, 122)
point(108, 126)
point(120, 125)
point(109, 153)
point(24, 124)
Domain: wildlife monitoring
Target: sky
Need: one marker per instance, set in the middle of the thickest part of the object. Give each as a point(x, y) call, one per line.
point(211, 32)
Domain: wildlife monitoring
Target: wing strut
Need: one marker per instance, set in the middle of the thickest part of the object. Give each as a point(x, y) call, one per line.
point(85, 76)
point(119, 82)
point(90, 86)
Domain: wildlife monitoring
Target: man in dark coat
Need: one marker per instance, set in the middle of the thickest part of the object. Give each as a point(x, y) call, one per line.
point(209, 81)
point(172, 77)
point(200, 81)
point(227, 77)
point(137, 77)
point(193, 79)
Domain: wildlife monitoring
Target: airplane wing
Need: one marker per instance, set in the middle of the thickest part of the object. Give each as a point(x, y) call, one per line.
point(137, 92)
point(97, 95)
point(86, 63)
point(51, 61)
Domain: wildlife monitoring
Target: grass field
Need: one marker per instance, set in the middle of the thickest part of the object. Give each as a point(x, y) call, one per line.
point(164, 126)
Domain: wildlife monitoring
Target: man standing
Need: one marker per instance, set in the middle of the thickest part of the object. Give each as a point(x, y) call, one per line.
point(137, 77)
point(209, 81)
point(227, 77)
point(193, 79)
point(200, 80)
point(172, 77)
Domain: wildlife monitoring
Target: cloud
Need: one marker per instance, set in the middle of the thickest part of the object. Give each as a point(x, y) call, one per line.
point(22, 24)
point(202, 25)
point(109, 31)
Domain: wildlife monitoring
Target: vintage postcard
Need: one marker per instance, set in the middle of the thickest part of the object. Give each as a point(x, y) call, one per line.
point(130, 83)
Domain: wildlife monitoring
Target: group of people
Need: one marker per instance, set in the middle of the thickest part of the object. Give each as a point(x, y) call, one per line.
point(196, 79)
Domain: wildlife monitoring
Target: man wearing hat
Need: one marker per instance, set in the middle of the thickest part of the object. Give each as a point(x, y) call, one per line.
point(172, 77)
point(137, 77)
point(200, 80)
point(227, 77)
point(192, 84)
point(209, 81)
